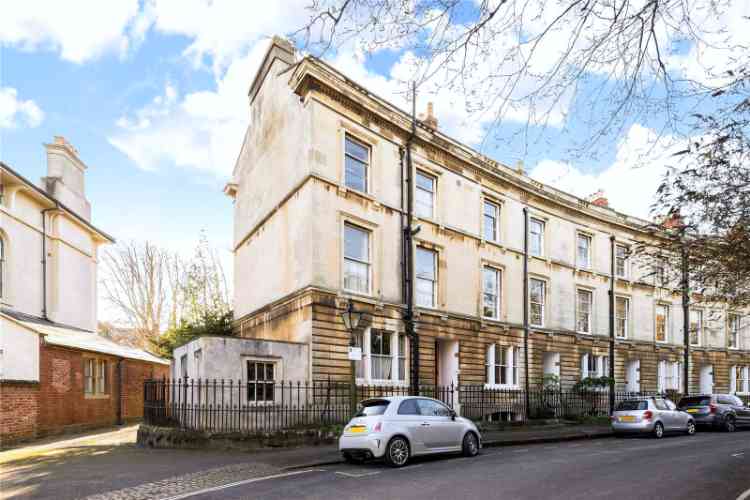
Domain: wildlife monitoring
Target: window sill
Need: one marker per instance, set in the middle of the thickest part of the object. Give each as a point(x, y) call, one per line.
point(355, 293)
point(382, 383)
point(495, 243)
point(503, 386)
point(96, 396)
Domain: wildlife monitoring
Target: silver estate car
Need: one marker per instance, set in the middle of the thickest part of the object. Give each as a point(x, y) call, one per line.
point(397, 428)
point(652, 415)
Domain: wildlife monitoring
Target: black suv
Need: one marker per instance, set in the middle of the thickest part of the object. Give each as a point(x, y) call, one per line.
point(722, 411)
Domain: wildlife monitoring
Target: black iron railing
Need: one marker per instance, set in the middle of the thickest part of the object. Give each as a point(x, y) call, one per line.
point(247, 407)
point(263, 406)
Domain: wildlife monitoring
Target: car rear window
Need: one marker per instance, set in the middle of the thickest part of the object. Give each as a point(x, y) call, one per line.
point(372, 408)
point(632, 406)
point(695, 401)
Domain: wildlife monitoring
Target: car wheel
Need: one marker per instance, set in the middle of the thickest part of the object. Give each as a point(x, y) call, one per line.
point(729, 424)
point(691, 428)
point(351, 459)
point(658, 430)
point(397, 452)
point(470, 446)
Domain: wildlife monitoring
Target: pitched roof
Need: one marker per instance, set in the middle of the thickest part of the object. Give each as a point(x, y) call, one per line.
point(77, 338)
point(55, 202)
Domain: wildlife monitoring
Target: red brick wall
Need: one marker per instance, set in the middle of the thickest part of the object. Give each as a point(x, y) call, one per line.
point(19, 409)
point(136, 372)
point(58, 402)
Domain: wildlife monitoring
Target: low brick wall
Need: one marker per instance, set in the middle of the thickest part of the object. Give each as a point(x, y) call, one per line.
point(19, 410)
point(170, 437)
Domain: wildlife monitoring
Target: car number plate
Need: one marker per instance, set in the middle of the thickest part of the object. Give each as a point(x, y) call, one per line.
point(693, 410)
point(627, 418)
point(357, 429)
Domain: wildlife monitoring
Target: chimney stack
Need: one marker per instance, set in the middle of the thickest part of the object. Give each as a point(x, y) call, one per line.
point(599, 199)
point(430, 120)
point(65, 177)
point(672, 221)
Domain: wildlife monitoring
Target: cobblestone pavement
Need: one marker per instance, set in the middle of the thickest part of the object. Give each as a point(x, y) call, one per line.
point(189, 482)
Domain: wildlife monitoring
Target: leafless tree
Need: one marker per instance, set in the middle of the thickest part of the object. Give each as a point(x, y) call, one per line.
point(547, 60)
point(136, 283)
point(154, 290)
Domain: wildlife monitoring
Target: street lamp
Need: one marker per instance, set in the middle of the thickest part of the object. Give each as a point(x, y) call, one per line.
point(351, 319)
point(351, 322)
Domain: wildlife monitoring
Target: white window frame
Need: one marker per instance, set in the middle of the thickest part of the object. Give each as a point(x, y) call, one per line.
point(626, 319)
point(368, 164)
point(434, 281)
point(594, 366)
point(497, 292)
point(511, 367)
point(255, 382)
point(580, 235)
point(667, 321)
point(496, 218)
point(733, 334)
point(669, 375)
point(432, 194)
point(542, 225)
point(367, 262)
point(590, 312)
point(543, 304)
point(699, 333)
point(625, 261)
point(364, 367)
point(739, 380)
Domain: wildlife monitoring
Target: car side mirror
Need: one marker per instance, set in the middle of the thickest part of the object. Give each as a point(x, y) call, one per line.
point(453, 415)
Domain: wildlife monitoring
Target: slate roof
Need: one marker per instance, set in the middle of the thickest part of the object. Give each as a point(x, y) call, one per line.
point(77, 338)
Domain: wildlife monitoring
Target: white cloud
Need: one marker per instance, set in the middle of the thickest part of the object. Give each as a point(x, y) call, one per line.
point(223, 30)
point(631, 181)
point(201, 130)
point(15, 112)
point(80, 30)
point(722, 45)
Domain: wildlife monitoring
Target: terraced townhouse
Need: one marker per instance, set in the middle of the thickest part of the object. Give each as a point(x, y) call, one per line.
point(319, 212)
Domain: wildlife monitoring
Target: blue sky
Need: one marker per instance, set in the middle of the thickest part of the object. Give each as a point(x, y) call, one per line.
point(153, 94)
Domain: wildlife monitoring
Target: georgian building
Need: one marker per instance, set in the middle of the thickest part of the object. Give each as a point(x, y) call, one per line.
point(319, 212)
point(56, 372)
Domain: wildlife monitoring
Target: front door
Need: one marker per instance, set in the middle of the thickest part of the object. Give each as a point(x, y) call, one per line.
point(707, 379)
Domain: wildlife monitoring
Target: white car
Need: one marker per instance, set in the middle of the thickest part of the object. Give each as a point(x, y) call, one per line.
point(397, 428)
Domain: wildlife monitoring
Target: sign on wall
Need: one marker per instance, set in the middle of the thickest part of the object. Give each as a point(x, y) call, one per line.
point(355, 353)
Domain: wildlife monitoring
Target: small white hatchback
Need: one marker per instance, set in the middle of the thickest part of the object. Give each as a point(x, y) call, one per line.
point(397, 428)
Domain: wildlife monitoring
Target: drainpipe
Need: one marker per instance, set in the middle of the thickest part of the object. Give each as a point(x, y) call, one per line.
point(120, 368)
point(526, 306)
point(408, 254)
point(612, 279)
point(686, 318)
point(44, 259)
point(404, 271)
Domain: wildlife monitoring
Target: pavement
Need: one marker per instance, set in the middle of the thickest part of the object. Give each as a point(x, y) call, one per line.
point(710, 466)
point(108, 465)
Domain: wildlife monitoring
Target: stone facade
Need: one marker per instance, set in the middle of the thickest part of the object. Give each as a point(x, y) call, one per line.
point(294, 206)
